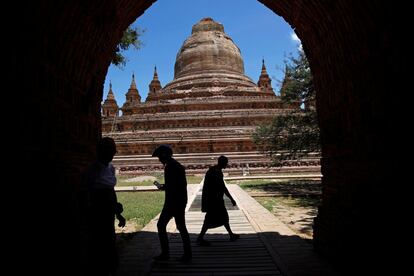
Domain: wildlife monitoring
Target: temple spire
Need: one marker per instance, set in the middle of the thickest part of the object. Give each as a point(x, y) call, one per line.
point(154, 86)
point(110, 107)
point(132, 96)
point(110, 93)
point(155, 73)
point(133, 84)
point(264, 71)
point(264, 83)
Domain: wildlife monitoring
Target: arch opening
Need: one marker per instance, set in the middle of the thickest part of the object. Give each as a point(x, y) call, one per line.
point(69, 71)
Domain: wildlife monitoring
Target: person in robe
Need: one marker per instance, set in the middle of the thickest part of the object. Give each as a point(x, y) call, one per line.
point(212, 201)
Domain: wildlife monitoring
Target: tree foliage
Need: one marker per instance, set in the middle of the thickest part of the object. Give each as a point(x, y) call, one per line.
point(130, 38)
point(295, 134)
point(298, 82)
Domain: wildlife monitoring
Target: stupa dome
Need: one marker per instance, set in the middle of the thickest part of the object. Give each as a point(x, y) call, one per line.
point(208, 49)
point(208, 59)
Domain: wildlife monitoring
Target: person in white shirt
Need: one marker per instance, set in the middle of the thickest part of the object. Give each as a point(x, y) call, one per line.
point(103, 207)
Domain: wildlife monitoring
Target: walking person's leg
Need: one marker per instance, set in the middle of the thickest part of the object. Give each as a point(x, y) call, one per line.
point(233, 236)
point(162, 235)
point(200, 239)
point(180, 223)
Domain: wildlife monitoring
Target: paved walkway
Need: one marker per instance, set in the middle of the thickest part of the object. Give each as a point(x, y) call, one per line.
point(266, 246)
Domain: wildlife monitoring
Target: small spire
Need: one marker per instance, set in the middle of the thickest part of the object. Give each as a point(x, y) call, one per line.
point(110, 92)
point(263, 67)
point(110, 95)
point(109, 106)
point(155, 73)
point(133, 84)
point(154, 85)
point(265, 83)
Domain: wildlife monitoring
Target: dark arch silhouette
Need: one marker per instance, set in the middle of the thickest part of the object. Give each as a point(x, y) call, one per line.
point(59, 62)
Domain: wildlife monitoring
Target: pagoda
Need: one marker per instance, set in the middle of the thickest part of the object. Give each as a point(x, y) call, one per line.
point(210, 107)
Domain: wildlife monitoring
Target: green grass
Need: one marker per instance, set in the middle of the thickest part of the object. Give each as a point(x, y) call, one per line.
point(294, 193)
point(267, 202)
point(305, 202)
point(282, 186)
point(194, 179)
point(256, 183)
point(252, 183)
point(141, 207)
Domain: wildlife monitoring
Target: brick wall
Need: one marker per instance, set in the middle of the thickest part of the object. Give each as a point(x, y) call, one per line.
point(348, 45)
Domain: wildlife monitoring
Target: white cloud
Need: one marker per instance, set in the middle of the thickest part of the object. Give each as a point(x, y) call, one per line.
point(296, 39)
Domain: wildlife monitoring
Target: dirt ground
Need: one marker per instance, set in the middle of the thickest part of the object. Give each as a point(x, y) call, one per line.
point(296, 204)
point(297, 218)
point(130, 227)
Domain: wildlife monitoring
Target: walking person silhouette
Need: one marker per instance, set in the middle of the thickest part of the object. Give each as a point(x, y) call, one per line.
point(212, 202)
point(103, 207)
point(175, 188)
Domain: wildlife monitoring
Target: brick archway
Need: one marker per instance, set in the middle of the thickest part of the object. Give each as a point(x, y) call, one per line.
point(345, 41)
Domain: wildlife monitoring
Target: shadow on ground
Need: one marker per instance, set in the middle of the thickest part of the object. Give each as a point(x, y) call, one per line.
point(287, 188)
point(265, 253)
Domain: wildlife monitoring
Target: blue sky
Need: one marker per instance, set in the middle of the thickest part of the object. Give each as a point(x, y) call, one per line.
point(256, 30)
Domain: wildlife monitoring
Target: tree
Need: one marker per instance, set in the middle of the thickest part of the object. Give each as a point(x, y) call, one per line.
point(298, 82)
point(294, 135)
point(130, 38)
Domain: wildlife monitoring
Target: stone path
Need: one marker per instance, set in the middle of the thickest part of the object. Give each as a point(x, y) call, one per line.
point(266, 247)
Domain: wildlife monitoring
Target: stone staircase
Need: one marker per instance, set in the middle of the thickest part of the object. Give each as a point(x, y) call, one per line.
point(240, 163)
